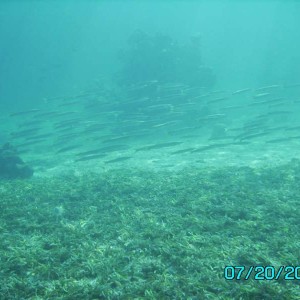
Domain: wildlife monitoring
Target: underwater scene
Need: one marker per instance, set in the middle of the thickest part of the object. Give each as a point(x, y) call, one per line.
point(149, 150)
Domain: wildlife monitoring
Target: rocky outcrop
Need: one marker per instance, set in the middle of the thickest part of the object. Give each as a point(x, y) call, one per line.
point(11, 165)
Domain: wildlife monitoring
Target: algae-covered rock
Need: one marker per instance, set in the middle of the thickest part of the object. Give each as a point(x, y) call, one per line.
point(11, 165)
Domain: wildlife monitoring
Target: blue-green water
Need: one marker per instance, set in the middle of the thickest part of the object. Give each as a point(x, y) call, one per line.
point(163, 138)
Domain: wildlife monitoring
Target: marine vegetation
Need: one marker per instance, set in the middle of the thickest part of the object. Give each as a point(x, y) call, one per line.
point(132, 234)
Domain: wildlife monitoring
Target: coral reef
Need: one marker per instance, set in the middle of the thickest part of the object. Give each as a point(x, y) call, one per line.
point(11, 165)
point(161, 58)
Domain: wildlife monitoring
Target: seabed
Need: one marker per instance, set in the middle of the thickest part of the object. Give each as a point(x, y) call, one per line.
point(132, 230)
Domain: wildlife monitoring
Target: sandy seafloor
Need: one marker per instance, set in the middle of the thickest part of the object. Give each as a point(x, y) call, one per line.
point(254, 155)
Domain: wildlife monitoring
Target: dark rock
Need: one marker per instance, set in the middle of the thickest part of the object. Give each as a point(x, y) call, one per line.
point(11, 165)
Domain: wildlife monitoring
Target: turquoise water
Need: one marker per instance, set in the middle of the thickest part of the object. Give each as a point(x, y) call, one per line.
point(163, 138)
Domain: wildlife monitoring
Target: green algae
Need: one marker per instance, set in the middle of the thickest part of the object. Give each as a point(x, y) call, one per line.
point(130, 234)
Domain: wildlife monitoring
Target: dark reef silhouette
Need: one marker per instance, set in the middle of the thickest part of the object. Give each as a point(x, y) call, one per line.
point(161, 58)
point(11, 165)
